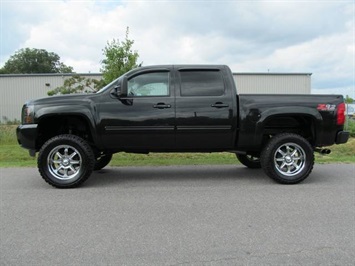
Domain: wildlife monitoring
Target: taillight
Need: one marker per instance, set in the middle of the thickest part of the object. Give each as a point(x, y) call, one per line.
point(341, 114)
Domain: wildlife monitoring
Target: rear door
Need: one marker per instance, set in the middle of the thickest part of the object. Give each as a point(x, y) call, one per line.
point(204, 110)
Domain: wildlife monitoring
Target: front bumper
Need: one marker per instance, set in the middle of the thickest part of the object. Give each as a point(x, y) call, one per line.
point(27, 135)
point(342, 137)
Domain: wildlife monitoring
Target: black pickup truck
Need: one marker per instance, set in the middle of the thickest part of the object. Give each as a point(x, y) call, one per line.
point(179, 108)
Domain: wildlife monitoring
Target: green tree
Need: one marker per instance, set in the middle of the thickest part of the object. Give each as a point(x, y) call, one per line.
point(78, 84)
point(348, 99)
point(32, 60)
point(119, 58)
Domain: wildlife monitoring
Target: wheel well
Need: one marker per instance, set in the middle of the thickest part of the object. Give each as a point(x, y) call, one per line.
point(49, 127)
point(301, 125)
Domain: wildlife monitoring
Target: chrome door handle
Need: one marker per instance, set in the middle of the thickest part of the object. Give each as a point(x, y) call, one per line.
point(219, 105)
point(161, 106)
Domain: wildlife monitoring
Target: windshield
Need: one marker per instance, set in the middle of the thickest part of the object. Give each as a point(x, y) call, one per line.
point(110, 85)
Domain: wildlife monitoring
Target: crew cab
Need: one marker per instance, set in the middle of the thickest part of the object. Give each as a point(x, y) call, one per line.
point(179, 108)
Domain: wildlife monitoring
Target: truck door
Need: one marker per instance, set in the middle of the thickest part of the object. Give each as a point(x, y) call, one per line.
point(144, 119)
point(204, 110)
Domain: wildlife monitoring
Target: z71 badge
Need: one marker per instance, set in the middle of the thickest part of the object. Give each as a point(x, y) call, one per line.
point(326, 107)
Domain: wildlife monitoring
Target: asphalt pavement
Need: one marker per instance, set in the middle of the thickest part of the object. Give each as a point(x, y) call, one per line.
point(179, 215)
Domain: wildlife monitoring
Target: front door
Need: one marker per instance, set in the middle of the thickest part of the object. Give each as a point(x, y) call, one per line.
point(144, 119)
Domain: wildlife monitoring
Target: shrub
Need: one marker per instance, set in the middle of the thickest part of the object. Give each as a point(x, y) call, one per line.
point(350, 126)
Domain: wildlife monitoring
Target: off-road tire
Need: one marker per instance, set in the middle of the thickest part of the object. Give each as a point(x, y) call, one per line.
point(287, 158)
point(249, 161)
point(65, 161)
point(102, 161)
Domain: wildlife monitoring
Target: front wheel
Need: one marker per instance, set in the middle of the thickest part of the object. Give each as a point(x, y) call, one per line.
point(65, 161)
point(287, 158)
point(102, 161)
point(249, 161)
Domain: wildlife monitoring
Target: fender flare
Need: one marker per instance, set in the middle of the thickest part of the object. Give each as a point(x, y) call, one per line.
point(84, 112)
point(293, 111)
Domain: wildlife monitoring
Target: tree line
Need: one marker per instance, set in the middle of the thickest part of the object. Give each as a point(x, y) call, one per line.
point(119, 57)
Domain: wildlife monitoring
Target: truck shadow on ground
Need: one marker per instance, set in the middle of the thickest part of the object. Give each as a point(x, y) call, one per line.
point(183, 175)
point(174, 174)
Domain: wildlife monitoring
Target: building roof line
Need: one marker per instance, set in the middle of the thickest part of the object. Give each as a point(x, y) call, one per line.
point(100, 74)
point(273, 73)
point(50, 75)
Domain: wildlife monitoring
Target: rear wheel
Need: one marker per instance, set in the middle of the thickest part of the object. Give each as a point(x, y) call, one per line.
point(287, 158)
point(249, 161)
point(102, 161)
point(65, 161)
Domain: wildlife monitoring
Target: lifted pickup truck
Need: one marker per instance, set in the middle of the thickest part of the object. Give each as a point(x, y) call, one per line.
point(179, 108)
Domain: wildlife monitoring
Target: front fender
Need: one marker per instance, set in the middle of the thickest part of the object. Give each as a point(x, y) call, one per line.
point(86, 112)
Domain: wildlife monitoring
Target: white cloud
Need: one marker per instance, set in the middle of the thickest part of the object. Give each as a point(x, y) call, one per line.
point(283, 36)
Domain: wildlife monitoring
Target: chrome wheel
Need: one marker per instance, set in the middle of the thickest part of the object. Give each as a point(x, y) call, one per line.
point(289, 159)
point(64, 162)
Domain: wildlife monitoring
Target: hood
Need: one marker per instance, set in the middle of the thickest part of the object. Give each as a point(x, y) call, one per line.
point(75, 98)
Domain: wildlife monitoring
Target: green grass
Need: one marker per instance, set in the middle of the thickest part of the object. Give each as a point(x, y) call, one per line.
point(343, 153)
point(350, 126)
point(15, 156)
point(12, 155)
point(7, 134)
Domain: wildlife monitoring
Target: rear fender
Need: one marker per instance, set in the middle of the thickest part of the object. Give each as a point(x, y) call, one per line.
point(252, 131)
point(293, 111)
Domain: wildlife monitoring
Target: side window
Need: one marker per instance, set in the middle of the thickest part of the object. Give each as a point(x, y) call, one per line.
point(149, 84)
point(201, 83)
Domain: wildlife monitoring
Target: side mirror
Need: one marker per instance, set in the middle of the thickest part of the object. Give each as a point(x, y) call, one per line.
point(120, 90)
point(116, 92)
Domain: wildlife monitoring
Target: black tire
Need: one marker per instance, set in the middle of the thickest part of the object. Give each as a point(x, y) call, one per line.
point(65, 161)
point(287, 158)
point(249, 161)
point(102, 161)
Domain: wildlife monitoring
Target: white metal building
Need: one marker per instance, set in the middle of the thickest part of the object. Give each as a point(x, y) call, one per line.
point(16, 89)
point(273, 83)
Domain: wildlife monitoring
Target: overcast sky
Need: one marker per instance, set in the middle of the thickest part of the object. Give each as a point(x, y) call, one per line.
point(250, 36)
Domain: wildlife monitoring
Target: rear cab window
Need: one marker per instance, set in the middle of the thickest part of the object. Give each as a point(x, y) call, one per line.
point(201, 83)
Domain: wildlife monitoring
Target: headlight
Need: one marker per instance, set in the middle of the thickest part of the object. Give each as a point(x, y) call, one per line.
point(27, 114)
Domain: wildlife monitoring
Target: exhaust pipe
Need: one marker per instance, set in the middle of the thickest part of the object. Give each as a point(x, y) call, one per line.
point(323, 151)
